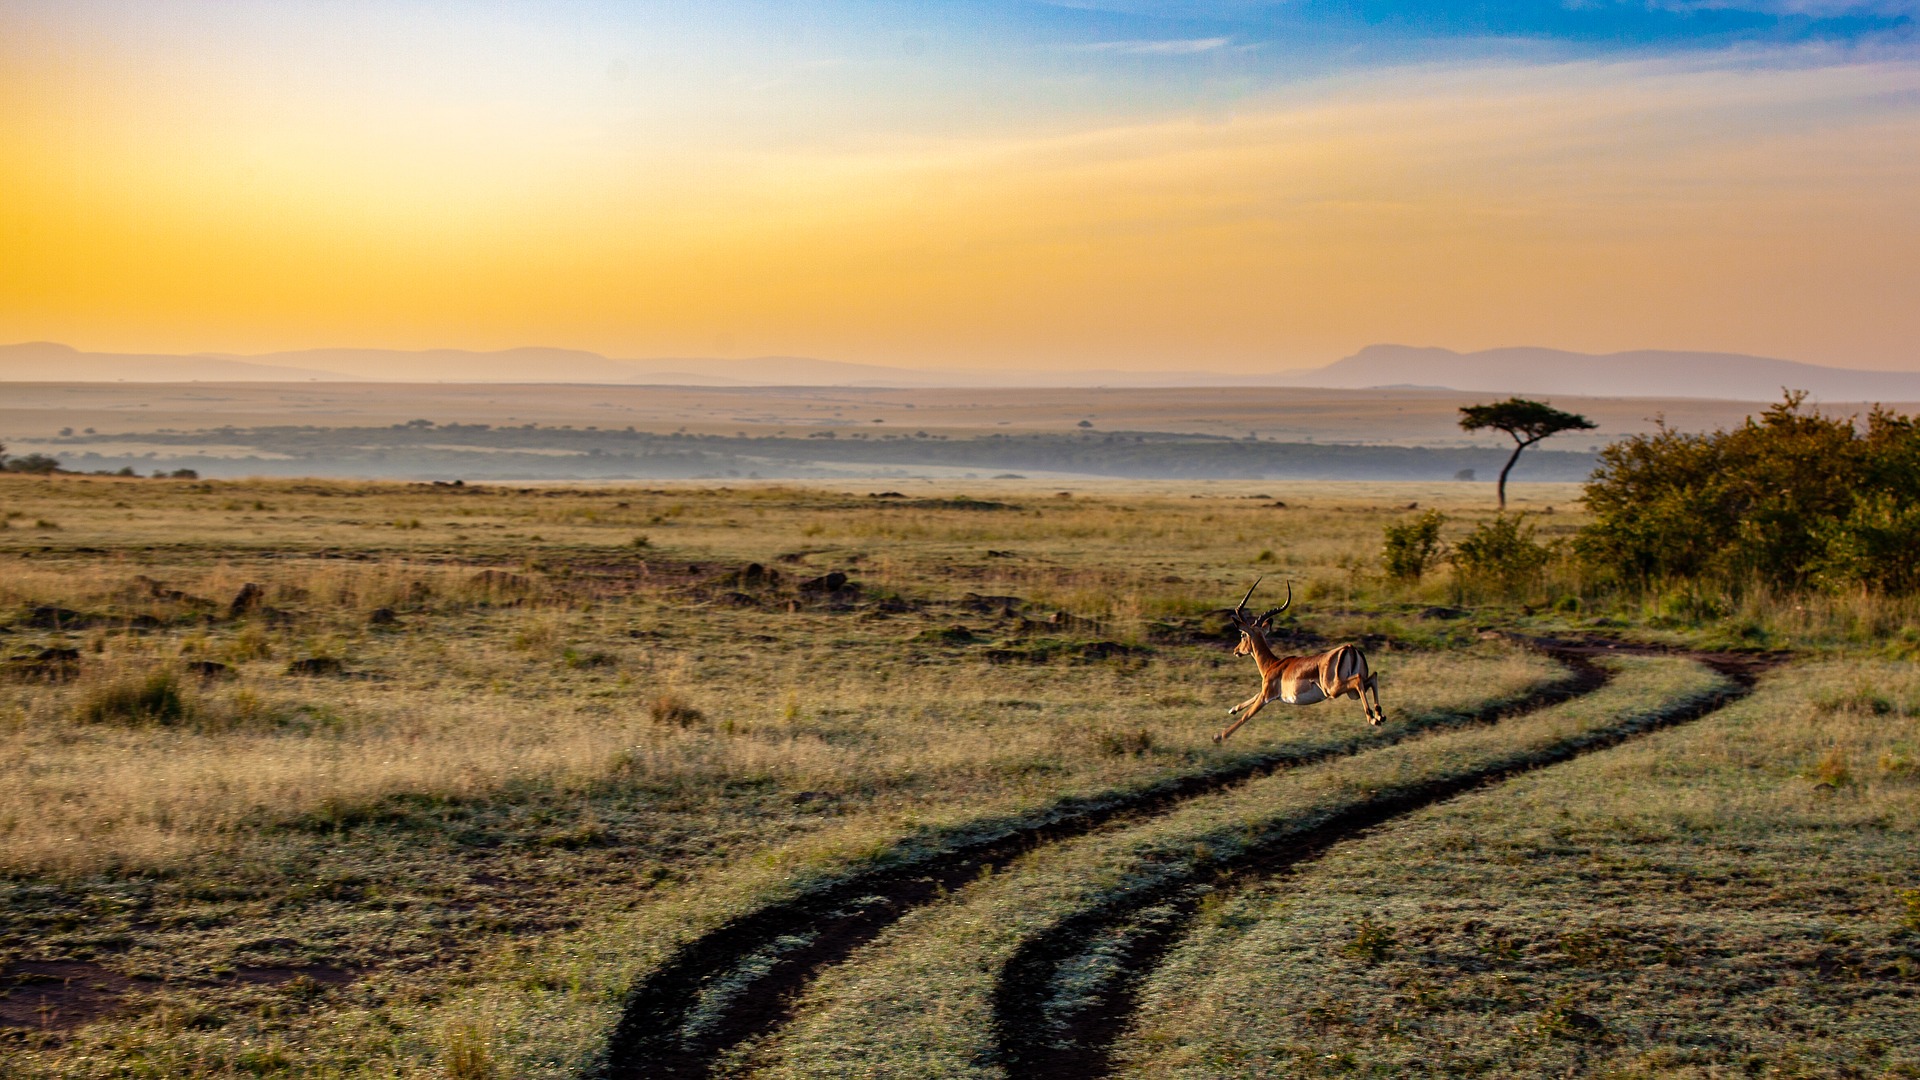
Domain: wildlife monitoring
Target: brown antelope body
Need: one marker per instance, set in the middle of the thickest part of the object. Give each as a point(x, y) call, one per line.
point(1299, 680)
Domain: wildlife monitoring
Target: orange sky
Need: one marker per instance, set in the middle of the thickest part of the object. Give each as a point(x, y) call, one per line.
point(360, 181)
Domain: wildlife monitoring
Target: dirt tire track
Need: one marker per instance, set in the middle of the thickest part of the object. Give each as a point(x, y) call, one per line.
point(648, 1040)
point(1029, 1051)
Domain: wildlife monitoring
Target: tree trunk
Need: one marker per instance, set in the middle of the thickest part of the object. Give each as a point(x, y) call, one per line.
point(1517, 447)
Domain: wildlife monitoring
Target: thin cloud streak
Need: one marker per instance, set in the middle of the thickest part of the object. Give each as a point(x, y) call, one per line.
point(1169, 47)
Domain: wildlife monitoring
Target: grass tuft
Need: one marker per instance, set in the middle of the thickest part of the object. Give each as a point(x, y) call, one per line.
point(674, 710)
point(133, 698)
point(1372, 940)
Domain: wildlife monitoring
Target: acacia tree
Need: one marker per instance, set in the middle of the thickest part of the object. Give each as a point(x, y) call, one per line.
point(1527, 421)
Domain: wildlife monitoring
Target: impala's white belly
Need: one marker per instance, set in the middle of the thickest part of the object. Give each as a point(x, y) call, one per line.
point(1303, 695)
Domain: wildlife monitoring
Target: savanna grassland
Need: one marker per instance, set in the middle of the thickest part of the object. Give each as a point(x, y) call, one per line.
point(353, 779)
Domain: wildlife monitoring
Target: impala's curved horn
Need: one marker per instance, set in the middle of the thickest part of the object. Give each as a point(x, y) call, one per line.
point(1240, 609)
point(1268, 617)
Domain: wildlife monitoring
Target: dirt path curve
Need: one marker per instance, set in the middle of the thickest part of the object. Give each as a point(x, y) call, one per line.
point(650, 1040)
point(1030, 1051)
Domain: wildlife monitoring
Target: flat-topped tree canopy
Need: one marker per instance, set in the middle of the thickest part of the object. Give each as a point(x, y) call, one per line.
point(1527, 421)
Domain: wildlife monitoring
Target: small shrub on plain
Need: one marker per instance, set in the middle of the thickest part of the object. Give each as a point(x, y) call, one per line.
point(1413, 547)
point(1501, 553)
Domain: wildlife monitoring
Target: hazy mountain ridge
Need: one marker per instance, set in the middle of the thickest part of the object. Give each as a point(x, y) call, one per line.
point(1640, 373)
point(47, 361)
point(1517, 370)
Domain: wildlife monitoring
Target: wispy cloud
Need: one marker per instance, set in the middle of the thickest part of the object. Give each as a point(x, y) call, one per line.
point(1165, 47)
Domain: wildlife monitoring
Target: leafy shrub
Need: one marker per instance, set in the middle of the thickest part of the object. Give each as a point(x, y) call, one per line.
point(1413, 547)
point(1500, 553)
point(1787, 499)
point(34, 463)
point(1877, 545)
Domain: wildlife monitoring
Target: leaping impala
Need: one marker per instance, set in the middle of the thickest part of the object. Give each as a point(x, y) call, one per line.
point(1299, 680)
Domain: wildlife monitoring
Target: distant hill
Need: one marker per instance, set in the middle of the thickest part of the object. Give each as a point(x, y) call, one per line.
point(42, 361)
point(1647, 373)
point(1642, 373)
point(46, 361)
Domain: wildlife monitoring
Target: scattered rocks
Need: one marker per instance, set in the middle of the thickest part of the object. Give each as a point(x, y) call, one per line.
point(49, 617)
point(826, 583)
point(750, 576)
point(158, 590)
point(1003, 606)
point(383, 617)
point(53, 665)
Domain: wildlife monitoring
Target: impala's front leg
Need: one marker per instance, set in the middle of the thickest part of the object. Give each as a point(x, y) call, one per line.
point(1260, 702)
point(1247, 704)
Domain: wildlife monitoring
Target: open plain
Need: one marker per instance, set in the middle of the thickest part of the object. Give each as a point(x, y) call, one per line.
point(822, 434)
point(324, 778)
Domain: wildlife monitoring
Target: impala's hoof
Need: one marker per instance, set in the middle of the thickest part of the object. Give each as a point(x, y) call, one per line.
point(1216, 740)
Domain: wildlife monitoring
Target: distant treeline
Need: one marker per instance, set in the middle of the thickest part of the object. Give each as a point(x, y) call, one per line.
point(421, 449)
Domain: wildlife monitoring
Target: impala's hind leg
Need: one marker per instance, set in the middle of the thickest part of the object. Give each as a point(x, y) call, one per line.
point(1375, 714)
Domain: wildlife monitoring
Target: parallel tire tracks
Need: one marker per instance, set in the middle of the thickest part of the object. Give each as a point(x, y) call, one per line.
point(1032, 1051)
point(650, 1039)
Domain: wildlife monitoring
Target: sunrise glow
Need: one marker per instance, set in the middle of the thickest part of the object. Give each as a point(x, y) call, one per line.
point(1119, 185)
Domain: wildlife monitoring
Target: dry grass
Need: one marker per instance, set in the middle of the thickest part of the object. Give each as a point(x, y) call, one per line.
point(1719, 899)
point(464, 696)
point(547, 755)
point(920, 999)
point(517, 722)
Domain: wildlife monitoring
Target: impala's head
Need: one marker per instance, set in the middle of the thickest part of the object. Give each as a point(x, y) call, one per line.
point(1250, 625)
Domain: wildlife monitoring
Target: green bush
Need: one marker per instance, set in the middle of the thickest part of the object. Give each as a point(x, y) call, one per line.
point(34, 463)
point(1877, 545)
point(1413, 547)
point(1501, 553)
point(1785, 500)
